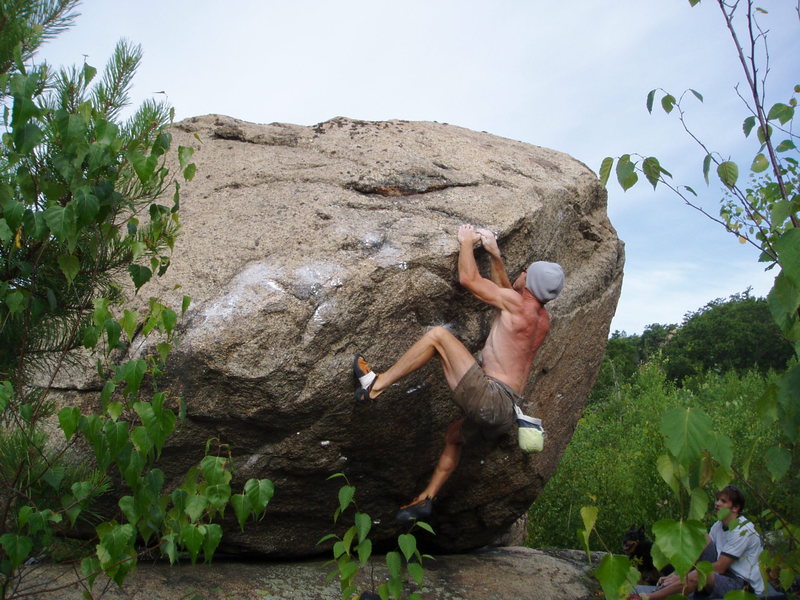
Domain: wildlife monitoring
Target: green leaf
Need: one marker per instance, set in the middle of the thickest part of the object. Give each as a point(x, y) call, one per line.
point(100, 314)
point(788, 249)
point(417, 573)
point(141, 440)
point(786, 145)
point(68, 418)
point(241, 508)
point(728, 173)
point(185, 304)
point(686, 431)
point(218, 495)
point(81, 490)
point(652, 170)
point(195, 506)
point(71, 508)
point(706, 166)
point(129, 322)
point(132, 373)
point(214, 469)
point(778, 462)
point(782, 112)
point(54, 476)
point(169, 547)
point(408, 545)
point(16, 302)
point(211, 540)
point(139, 275)
point(87, 206)
point(192, 537)
point(5, 231)
point(128, 507)
point(113, 332)
point(363, 525)
point(364, 551)
point(659, 560)
point(760, 163)
point(783, 300)
point(721, 448)
point(668, 103)
point(17, 547)
point(164, 349)
point(605, 170)
point(348, 537)
point(6, 394)
point(62, 221)
point(115, 542)
point(697, 94)
point(424, 526)
point(108, 390)
point(70, 266)
point(169, 319)
point(626, 172)
point(88, 73)
point(259, 493)
point(394, 563)
point(144, 166)
point(184, 155)
point(650, 97)
point(325, 538)
point(346, 493)
point(666, 468)
point(616, 575)
point(698, 504)
point(680, 542)
point(90, 567)
point(189, 172)
point(589, 518)
point(27, 138)
point(748, 125)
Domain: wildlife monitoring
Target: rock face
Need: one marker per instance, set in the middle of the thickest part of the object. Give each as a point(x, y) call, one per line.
point(304, 245)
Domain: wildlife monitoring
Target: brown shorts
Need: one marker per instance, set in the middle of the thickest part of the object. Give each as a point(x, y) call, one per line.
point(487, 404)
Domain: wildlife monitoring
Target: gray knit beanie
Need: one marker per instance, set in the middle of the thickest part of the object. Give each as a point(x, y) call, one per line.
point(545, 280)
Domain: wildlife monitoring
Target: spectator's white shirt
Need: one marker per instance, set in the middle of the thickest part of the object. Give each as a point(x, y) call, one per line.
point(740, 541)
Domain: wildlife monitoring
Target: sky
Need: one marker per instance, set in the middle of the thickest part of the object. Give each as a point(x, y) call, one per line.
point(571, 75)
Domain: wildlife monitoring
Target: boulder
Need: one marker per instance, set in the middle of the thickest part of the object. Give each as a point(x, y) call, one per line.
point(303, 245)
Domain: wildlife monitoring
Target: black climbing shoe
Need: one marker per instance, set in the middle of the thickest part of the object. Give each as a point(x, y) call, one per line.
point(417, 511)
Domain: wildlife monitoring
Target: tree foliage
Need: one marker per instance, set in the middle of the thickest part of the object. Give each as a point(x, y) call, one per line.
point(84, 206)
point(624, 429)
point(737, 334)
point(763, 210)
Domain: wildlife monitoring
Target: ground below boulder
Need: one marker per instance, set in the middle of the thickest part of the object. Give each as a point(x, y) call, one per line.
point(509, 573)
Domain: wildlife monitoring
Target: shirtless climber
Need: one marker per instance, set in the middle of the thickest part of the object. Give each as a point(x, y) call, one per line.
point(485, 392)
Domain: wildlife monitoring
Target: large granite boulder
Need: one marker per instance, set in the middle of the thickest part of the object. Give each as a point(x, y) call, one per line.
point(303, 245)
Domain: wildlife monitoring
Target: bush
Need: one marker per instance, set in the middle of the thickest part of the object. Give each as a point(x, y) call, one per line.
point(611, 459)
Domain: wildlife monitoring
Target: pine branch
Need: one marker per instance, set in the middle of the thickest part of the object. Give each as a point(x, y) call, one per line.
point(111, 95)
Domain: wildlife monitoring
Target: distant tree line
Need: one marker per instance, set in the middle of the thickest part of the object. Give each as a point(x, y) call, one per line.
point(737, 334)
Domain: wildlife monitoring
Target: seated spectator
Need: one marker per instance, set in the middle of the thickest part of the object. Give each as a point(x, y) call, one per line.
point(738, 547)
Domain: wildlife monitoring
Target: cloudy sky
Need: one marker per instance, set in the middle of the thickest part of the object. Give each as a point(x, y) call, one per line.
point(570, 75)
